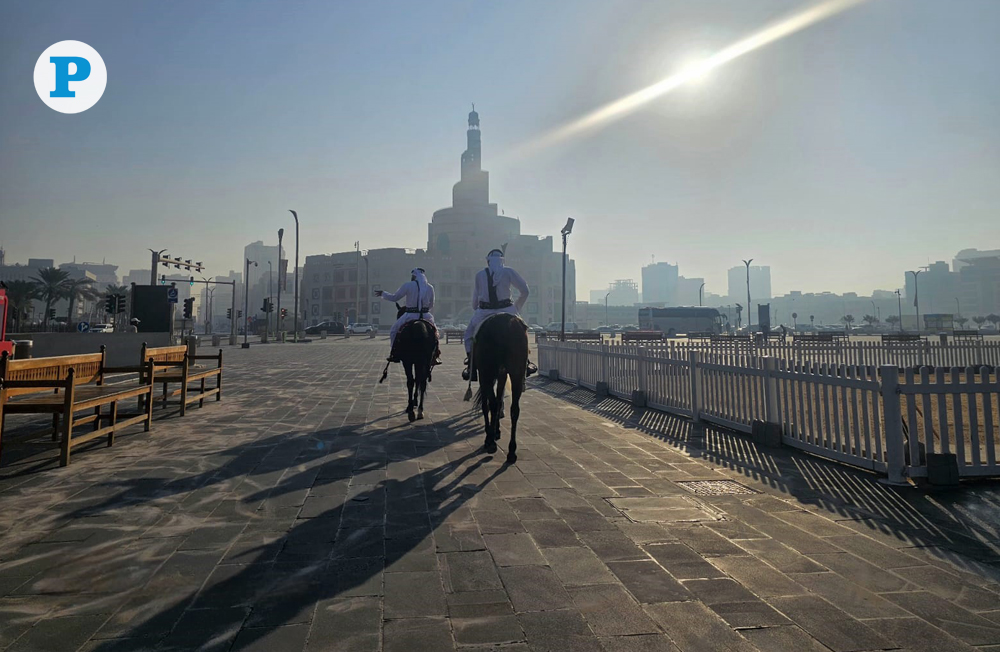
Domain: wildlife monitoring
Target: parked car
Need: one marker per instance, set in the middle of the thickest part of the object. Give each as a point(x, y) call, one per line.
point(555, 327)
point(331, 327)
point(535, 328)
point(102, 328)
point(361, 329)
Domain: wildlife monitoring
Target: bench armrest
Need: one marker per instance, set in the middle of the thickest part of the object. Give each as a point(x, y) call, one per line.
point(169, 363)
point(27, 384)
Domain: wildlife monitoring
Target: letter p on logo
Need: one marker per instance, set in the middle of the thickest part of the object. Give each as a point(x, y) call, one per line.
point(63, 76)
point(70, 77)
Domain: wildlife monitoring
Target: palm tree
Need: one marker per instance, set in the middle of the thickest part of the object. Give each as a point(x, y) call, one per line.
point(961, 321)
point(848, 320)
point(50, 284)
point(993, 318)
point(20, 295)
point(980, 320)
point(795, 323)
point(869, 319)
point(892, 320)
point(78, 289)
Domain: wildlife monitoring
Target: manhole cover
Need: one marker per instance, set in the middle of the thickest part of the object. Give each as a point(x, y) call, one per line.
point(665, 509)
point(715, 487)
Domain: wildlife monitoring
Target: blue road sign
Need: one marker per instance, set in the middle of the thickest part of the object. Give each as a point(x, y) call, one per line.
point(172, 295)
point(83, 327)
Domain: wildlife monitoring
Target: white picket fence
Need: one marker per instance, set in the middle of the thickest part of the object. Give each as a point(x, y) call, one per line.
point(866, 415)
point(930, 353)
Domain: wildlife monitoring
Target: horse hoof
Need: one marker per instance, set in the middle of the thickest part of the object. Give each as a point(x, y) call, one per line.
point(511, 458)
point(496, 437)
point(490, 448)
point(409, 415)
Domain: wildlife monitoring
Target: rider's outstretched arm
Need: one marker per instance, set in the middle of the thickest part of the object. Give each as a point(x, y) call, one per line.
point(397, 295)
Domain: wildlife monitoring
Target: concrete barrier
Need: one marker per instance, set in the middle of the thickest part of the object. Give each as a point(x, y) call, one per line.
point(123, 348)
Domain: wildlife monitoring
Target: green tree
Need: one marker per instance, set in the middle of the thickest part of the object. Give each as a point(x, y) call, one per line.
point(20, 295)
point(50, 283)
point(993, 318)
point(961, 321)
point(892, 320)
point(980, 320)
point(871, 320)
point(78, 289)
point(848, 320)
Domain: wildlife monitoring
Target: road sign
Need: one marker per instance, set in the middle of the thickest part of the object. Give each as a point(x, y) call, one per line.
point(83, 327)
point(172, 295)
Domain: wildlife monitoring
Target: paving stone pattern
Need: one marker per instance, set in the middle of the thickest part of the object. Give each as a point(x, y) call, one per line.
point(304, 512)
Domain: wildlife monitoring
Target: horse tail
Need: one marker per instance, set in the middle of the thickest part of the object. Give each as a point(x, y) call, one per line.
point(477, 403)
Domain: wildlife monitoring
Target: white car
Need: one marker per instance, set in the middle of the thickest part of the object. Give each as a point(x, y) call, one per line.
point(102, 328)
point(360, 329)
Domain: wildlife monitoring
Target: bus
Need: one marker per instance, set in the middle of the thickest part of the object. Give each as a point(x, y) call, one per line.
point(680, 319)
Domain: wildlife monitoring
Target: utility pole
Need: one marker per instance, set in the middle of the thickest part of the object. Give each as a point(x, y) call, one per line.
point(702, 287)
point(246, 302)
point(566, 230)
point(916, 296)
point(281, 279)
point(357, 283)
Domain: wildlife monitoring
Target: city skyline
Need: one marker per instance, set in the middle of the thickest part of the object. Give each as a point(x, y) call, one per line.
point(188, 155)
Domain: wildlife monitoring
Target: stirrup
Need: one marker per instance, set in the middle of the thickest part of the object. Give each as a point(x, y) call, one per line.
point(465, 374)
point(392, 358)
point(532, 369)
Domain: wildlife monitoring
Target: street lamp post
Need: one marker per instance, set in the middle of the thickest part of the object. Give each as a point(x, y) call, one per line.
point(958, 307)
point(246, 301)
point(357, 283)
point(281, 280)
point(156, 260)
point(749, 313)
point(270, 293)
point(367, 302)
point(606, 322)
point(295, 215)
point(702, 287)
point(566, 230)
point(916, 295)
point(899, 300)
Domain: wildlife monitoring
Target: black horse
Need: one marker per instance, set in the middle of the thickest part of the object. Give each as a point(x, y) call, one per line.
point(500, 351)
point(416, 347)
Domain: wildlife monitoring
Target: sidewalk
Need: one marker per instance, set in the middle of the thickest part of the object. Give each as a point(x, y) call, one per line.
point(305, 513)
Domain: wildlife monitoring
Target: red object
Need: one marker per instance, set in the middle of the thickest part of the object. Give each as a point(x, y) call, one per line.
point(4, 344)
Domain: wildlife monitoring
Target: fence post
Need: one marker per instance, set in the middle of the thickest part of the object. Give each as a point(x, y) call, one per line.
point(694, 357)
point(579, 366)
point(639, 395)
point(771, 392)
point(892, 416)
point(602, 384)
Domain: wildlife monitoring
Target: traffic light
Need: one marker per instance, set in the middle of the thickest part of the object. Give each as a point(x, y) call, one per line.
point(284, 312)
point(119, 303)
point(110, 303)
point(163, 279)
point(191, 280)
point(270, 306)
point(229, 313)
point(188, 307)
point(52, 313)
point(239, 314)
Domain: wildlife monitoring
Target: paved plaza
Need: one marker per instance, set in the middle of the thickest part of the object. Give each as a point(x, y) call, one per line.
point(304, 512)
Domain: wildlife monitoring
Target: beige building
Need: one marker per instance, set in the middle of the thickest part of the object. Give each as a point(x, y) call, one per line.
point(341, 286)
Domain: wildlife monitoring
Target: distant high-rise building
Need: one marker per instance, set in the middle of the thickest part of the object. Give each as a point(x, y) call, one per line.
point(966, 256)
point(937, 286)
point(979, 286)
point(103, 273)
point(688, 290)
point(760, 283)
point(659, 284)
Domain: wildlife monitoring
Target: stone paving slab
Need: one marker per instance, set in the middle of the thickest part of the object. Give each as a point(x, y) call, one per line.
point(304, 512)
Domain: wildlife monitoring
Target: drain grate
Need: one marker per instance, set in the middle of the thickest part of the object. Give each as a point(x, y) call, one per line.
point(715, 487)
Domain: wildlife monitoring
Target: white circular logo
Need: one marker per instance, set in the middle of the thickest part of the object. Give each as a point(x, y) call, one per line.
point(70, 76)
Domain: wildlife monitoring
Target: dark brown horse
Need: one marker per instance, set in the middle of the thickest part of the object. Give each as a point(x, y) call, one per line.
point(416, 346)
point(500, 352)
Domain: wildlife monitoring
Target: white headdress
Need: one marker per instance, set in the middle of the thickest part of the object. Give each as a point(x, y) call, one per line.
point(494, 260)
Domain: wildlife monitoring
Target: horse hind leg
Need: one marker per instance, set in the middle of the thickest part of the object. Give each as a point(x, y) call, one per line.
point(410, 392)
point(422, 390)
point(515, 411)
point(501, 385)
point(488, 400)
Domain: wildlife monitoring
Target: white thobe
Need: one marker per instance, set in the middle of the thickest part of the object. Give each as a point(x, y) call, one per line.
point(502, 282)
point(414, 298)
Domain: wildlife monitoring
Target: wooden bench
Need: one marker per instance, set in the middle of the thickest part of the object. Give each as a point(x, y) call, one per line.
point(583, 336)
point(967, 335)
point(173, 365)
point(456, 333)
point(64, 385)
point(642, 336)
point(901, 337)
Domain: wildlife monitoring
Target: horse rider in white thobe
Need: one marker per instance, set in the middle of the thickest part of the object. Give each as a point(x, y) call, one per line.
point(419, 295)
point(491, 296)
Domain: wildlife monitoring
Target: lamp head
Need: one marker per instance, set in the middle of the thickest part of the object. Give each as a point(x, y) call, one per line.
point(281, 233)
point(566, 230)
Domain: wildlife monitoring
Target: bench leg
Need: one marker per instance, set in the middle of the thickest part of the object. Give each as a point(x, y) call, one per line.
point(218, 385)
point(201, 403)
point(55, 426)
point(149, 410)
point(67, 438)
point(184, 396)
point(164, 395)
point(97, 417)
point(114, 419)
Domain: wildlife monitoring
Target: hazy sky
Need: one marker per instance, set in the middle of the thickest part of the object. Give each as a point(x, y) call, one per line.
point(840, 156)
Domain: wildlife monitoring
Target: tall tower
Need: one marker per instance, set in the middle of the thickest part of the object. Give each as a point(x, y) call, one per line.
point(474, 187)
